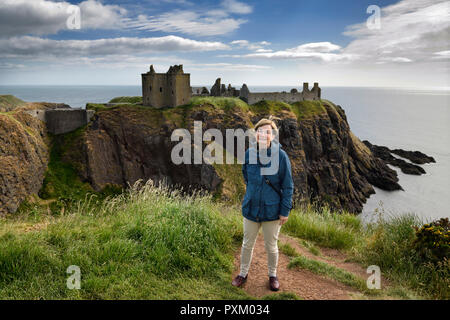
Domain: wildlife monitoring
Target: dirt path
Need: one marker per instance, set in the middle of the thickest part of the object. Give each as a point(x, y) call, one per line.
point(303, 283)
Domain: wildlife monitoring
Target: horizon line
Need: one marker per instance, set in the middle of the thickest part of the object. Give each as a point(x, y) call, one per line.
point(443, 88)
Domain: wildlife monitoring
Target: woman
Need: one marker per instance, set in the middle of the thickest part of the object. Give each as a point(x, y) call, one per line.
point(267, 201)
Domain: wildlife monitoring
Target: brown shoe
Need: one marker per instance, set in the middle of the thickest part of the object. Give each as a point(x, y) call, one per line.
point(274, 284)
point(239, 280)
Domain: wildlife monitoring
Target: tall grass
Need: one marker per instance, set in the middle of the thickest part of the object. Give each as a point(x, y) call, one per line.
point(389, 244)
point(149, 242)
point(324, 227)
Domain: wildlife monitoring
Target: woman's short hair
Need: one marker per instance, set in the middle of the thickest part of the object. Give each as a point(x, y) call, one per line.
point(268, 121)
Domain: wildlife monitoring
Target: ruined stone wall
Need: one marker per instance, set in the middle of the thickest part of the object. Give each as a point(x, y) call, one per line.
point(62, 120)
point(275, 96)
point(182, 89)
point(288, 97)
point(66, 120)
point(37, 113)
point(169, 89)
point(154, 90)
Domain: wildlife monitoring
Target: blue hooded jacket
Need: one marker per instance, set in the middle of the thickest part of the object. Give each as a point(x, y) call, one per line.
point(261, 202)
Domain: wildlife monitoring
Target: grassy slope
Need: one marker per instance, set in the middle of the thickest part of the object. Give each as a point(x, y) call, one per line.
point(9, 102)
point(153, 243)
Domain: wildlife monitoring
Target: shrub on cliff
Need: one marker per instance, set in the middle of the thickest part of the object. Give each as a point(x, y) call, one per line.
point(393, 246)
point(433, 240)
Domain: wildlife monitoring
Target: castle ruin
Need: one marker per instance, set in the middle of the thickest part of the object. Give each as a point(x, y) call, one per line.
point(169, 89)
point(220, 90)
point(173, 88)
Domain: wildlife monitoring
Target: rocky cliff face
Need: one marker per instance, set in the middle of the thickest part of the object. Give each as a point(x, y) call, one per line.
point(329, 163)
point(23, 158)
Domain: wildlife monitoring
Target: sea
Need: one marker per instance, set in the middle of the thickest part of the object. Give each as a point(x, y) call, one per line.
point(405, 118)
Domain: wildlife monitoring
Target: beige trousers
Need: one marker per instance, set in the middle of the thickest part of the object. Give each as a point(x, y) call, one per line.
point(271, 230)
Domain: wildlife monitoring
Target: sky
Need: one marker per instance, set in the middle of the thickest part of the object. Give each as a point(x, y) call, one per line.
point(387, 43)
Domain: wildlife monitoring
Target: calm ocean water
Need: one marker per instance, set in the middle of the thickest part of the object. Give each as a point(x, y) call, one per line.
point(409, 119)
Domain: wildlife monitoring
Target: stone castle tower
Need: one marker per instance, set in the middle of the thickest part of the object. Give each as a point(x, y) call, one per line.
point(169, 89)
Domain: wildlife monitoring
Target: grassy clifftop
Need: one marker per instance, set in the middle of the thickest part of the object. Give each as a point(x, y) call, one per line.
point(155, 243)
point(9, 102)
point(302, 109)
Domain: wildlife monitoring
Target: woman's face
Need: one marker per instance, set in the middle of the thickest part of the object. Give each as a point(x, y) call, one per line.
point(264, 135)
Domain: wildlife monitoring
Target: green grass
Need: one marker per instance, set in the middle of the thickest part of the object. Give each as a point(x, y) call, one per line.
point(148, 243)
point(332, 272)
point(307, 109)
point(288, 250)
point(9, 102)
point(132, 100)
point(97, 107)
point(311, 247)
point(269, 107)
point(325, 228)
point(219, 102)
point(389, 245)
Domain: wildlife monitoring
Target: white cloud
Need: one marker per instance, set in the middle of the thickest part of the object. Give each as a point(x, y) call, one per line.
point(263, 50)
point(250, 46)
point(227, 67)
point(7, 65)
point(395, 59)
point(39, 17)
point(27, 46)
point(187, 22)
point(410, 29)
point(442, 54)
point(206, 22)
point(123, 61)
point(315, 47)
point(234, 6)
point(324, 51)
point(95, 15)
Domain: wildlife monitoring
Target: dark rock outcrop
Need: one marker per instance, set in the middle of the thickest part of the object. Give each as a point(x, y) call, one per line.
point(414, 156)
point(385, 153)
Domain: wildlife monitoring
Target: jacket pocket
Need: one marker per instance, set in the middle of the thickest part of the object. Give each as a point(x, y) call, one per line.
point(271, 209)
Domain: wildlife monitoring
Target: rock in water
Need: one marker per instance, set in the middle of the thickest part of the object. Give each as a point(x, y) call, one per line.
point(408, 168)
